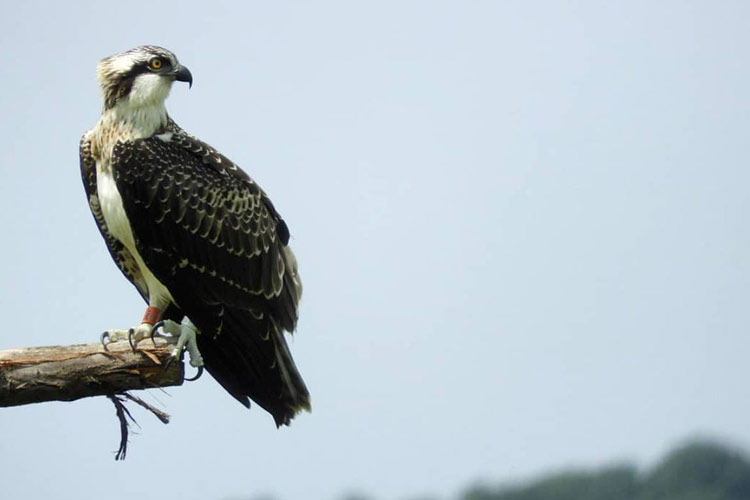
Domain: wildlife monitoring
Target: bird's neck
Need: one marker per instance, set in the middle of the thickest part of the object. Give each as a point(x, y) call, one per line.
point(123, 122)
point(135, 122)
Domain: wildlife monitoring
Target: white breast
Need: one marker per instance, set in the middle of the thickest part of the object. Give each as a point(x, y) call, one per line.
point(118, 226)
point(112, 209)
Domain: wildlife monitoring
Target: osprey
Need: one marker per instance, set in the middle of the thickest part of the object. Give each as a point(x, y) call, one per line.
point(199, 239)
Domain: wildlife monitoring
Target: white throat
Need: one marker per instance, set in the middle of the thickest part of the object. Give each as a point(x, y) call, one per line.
point(134, 122)
point(141, 113)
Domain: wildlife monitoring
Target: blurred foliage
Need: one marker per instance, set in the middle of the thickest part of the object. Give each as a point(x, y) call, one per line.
point(697, 471)
point(704, 471)
point(613, 483)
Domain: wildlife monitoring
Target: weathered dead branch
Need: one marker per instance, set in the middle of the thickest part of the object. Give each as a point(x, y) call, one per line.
point(66, 373)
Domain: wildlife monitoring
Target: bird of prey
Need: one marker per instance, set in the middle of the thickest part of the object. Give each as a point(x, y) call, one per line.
point(199, 239)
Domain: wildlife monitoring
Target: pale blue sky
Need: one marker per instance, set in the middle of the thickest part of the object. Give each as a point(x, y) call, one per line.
point(522, 228)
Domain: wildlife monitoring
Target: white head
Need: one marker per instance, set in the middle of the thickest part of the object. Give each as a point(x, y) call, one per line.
point(140, 77)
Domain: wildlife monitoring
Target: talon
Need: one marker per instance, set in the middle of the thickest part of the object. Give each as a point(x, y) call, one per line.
point(131, 332)
point(197, 375)
point(104, 338)
point(159, 324)
point(186, 341)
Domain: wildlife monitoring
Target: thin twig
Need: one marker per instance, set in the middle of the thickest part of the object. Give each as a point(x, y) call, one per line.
point(120, 409)
point(163, 416)
point(123, 414)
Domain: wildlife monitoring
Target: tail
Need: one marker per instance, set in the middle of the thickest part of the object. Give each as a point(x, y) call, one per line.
point(250, 358)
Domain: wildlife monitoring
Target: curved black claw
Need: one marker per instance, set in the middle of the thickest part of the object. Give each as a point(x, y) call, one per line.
point(193, 379)
point(158, 325)
point(130, 338)
point(104, 338)
point(197, 375)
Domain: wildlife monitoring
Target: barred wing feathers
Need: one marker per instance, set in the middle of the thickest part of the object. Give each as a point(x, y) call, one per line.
point(214, 239)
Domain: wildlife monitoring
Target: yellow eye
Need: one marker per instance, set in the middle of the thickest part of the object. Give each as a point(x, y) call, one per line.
point(156, 63)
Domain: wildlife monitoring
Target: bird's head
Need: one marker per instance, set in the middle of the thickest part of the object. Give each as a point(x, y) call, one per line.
point(140, 77)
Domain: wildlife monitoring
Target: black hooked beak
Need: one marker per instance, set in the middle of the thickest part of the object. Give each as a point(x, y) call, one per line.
point(182, 74)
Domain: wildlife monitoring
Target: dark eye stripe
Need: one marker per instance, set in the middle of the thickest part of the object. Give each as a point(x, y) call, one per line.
point(121, 86)
point(135, 71)
point(125, 82)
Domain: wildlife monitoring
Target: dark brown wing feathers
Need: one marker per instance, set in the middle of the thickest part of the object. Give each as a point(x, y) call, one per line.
point(213, 237)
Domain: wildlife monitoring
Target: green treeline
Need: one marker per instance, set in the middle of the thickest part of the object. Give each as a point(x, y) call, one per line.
point(697, 471)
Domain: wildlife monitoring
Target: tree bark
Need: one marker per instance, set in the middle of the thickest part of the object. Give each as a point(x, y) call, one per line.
point(66, 373)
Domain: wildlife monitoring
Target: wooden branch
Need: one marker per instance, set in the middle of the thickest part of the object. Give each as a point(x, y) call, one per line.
point(66, 373)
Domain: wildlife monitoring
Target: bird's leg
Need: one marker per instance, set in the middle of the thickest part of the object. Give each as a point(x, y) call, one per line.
point(186, 333)
point(188, 340)
point(134, 335)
